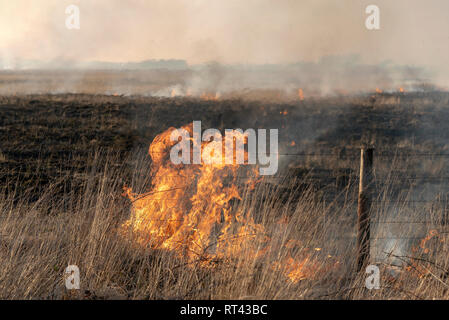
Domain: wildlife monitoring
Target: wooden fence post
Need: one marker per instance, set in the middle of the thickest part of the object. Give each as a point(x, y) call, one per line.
point(364, 207)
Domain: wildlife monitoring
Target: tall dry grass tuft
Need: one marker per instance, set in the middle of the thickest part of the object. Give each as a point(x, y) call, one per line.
point(39, 239)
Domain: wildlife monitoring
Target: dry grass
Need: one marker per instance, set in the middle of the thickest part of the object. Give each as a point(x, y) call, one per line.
point(39, 239)
point(61, 202)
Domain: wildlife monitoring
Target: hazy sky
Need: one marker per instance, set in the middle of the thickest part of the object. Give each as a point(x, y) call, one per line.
point(412, 32)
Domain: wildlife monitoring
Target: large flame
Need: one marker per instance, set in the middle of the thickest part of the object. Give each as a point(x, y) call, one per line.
point(189, 211)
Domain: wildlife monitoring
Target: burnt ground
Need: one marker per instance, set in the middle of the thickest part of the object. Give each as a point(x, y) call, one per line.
point(45, 137)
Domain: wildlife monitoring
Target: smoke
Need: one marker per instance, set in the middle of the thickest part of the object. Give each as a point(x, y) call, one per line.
point(234, 32)
point(330, 76)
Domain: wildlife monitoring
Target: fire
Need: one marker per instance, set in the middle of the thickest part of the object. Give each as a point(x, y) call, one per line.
point(189, 211)
point(401, 90)
point(378, 90)
point(210, 96)
point(422, 244)
point(188, 203)
point(300, 94)
point(414, 267)
point(298, 270)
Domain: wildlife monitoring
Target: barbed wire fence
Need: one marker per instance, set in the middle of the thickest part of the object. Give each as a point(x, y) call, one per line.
point(372, 201)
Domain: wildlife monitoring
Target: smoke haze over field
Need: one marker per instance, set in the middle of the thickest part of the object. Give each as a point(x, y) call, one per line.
point(323, 35)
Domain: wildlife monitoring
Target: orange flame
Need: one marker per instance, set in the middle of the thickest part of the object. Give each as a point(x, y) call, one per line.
point(422, 244)
point(300, 94)
point(413, 265)
point(210, 96)
point(189, 211)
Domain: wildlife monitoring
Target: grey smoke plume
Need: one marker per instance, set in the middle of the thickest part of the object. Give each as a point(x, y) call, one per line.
point(254, 32)
point(332, 75)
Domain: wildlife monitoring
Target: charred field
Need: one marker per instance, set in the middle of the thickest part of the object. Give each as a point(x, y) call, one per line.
point(66, 158)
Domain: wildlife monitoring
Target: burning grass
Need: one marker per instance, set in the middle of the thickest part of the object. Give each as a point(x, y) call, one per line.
point(303, 249)
point(229, 234)
point(189, 211)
